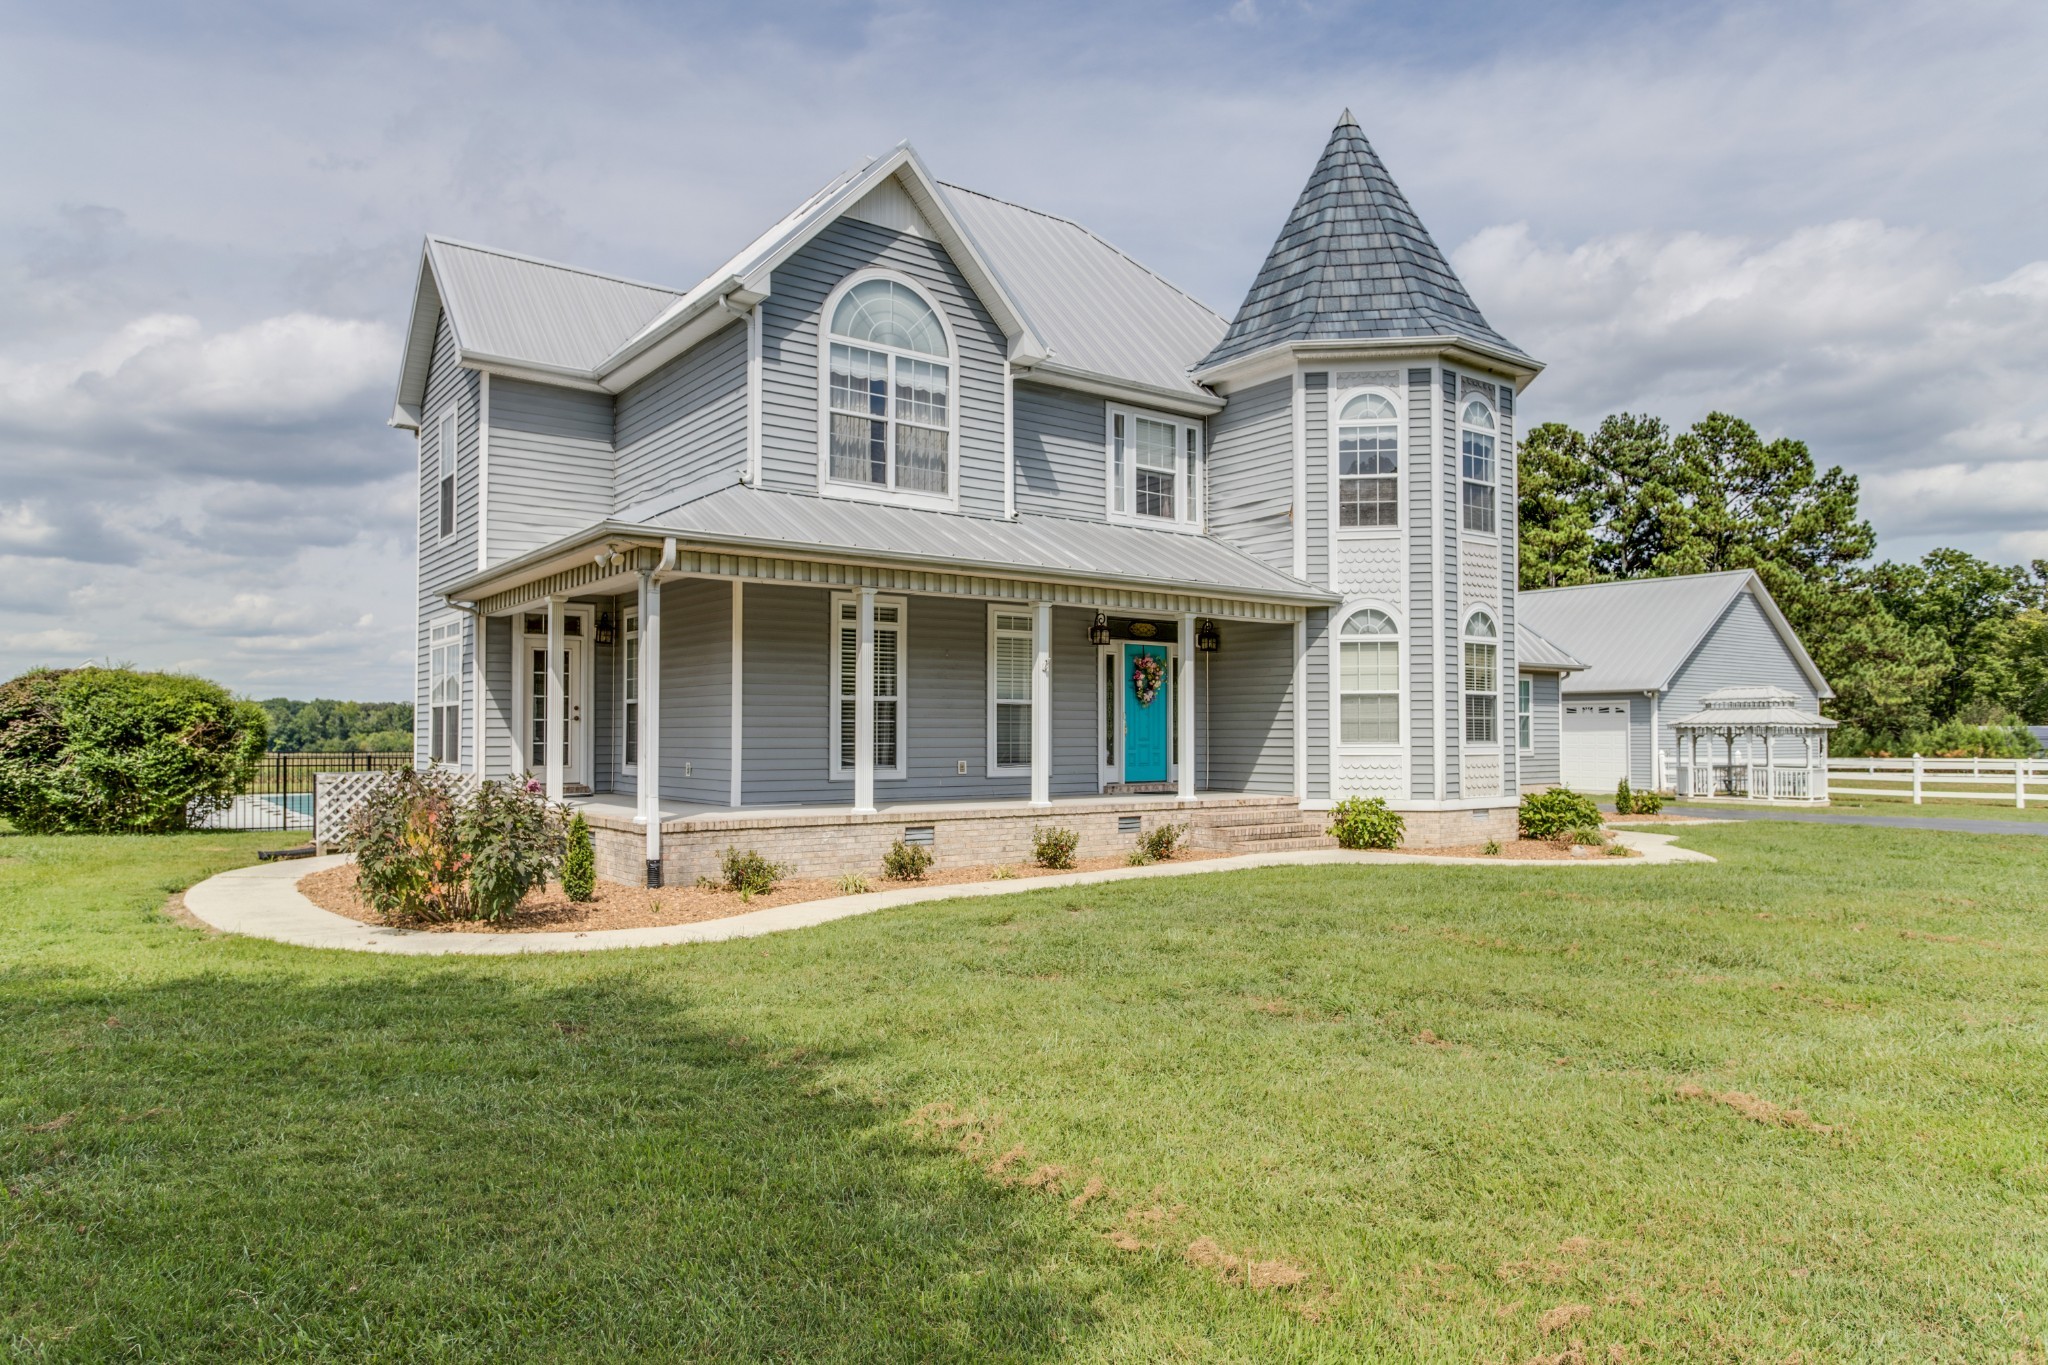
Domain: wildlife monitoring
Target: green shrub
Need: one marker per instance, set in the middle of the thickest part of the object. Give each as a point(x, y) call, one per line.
point(115, 751)
point(1648, 803)
point(1588, 835)
point(1617, 851)
point(1139, 858)
point(410, 862)
point(906, 862)
point(1557, 813)
point(514, 841)
point(1492, 848)
point(749, 873)
point(579, 862)
point(1624, 800)
point(1160, 843)
point(1365, 822)
point(853, 884)
point(1054, 845)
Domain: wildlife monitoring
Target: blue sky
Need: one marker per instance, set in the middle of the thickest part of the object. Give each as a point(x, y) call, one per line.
point(1824, 217)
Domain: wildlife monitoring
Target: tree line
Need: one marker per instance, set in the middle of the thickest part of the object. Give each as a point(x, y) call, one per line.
point(1947, 654)
point(322, 726)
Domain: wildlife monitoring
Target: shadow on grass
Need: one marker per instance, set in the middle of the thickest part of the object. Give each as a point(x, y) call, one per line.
point(433, 1165)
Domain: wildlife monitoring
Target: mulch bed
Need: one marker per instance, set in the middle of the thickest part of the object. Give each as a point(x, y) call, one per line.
point(617, 906)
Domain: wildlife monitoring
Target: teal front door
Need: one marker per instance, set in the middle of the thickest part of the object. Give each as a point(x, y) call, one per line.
point(1146, 735)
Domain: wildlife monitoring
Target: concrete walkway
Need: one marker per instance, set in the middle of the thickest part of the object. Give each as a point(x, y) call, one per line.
point(264, 901)
point(1954, 824)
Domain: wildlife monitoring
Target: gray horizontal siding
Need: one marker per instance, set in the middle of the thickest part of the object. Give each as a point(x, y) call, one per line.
point(1250, 714)
point(1539, 763)
point(1742, 650)
point(1316, 442)
point(686, 420)
point(1316, 665)
point(551, 464)
point(1505, 455)
point(696, 691)
point(1450, 721)
point(1423, 676)
point(443, 560)
point(1076, 706)
point(1251, 472)
point(789, 353)
point(500, 698)
point(1062, 462)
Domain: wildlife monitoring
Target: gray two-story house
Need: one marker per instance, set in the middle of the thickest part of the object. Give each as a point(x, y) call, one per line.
point(932, 516)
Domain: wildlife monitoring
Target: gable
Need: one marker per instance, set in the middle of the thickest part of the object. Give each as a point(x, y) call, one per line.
point(889, 205)
point(1636, 634)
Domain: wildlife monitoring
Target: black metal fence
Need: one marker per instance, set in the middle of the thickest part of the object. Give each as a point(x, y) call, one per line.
point(279, 794)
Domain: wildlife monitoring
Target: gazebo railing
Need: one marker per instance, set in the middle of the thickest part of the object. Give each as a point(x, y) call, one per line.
point(1750, 781)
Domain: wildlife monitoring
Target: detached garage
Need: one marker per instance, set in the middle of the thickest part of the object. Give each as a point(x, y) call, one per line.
point(1646, 652)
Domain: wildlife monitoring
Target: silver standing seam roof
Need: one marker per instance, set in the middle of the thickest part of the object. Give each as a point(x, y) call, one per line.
point(1535, 654)
point(521, 308)
point(1635, 634)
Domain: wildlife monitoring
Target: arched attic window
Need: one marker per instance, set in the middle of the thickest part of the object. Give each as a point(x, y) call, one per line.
point(891, 379)
point(1482, 680)
point(1369, 678)
point(1368, 462)
point(1478, 426)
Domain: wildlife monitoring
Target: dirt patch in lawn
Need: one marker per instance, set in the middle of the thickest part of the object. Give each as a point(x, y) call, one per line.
point(549, 910)
point(1537, 850)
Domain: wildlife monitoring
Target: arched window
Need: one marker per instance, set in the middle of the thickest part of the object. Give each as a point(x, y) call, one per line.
point(1368, 462)
point(891, 390)
point(1478, 424)
point(1369, 679)
point(1482, 680)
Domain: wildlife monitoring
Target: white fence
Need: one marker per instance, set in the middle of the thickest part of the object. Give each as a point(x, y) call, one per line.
point(2009, 781)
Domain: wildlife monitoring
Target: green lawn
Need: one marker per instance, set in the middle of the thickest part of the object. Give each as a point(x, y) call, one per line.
point(1933, 805)
point(1451, 1100)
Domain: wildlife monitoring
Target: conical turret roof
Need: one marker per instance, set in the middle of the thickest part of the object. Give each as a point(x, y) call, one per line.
point(1353, 263)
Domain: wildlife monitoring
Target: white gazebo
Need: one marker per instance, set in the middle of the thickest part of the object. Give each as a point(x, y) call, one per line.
point(1769, 750)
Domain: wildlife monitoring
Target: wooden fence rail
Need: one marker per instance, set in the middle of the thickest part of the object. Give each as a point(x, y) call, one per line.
point(2009, 780)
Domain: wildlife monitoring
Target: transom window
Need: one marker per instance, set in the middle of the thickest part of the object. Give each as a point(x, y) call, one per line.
point(1012, 655)
point(891, 392)
point(1368, 462)
point(444, 692)
point(888, 685)
point(1154, 467)
point(1482, 680)
point(1477, 422)
point(1369, 678)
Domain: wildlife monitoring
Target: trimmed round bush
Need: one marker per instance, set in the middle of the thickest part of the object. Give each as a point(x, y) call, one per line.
point(117, 751)
point(1365, 822)
point(1557, 814)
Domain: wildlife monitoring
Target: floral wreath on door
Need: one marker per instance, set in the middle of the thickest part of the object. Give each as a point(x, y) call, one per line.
point(1147, 673)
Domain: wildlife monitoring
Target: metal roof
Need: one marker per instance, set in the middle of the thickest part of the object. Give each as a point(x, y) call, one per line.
point(1635, 634)
point(537, 312)
point(738, 515)
point(1094, 308)
point(1751, 708)
point(1353, 263)
point(1534, 653)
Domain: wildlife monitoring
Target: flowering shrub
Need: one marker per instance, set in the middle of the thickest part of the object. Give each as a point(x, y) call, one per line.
point(906, 862)
point(429, 846)
point(1053, 846)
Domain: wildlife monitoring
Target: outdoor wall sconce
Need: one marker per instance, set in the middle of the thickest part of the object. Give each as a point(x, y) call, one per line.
point(1206, 638)
point(1098, 634)
point(607, 629)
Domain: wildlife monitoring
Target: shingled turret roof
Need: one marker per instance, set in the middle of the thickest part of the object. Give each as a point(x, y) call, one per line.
point(1353, 263)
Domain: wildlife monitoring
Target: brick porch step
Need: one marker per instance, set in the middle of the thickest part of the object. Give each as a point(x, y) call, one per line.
point(1292, 843)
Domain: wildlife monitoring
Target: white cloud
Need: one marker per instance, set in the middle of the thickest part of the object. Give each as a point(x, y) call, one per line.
point(53, 642)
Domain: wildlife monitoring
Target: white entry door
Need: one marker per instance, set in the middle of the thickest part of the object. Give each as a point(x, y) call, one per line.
point(1595, 756)
point(575, 732)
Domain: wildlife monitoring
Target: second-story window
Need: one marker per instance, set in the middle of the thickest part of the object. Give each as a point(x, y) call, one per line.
point(1154, 469)
point(444, 476)
point(891, 392)
point(1368, 463)
point(1478, 466)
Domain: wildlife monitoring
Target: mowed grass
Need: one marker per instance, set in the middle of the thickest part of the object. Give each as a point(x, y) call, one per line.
point(1933, 804)
point(1789, 1103)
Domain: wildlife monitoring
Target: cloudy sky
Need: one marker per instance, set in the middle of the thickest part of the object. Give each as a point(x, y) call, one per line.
point(1824, 217)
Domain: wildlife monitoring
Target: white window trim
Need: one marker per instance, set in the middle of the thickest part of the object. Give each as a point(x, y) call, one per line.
point(1188, 467)
point(1338, 399)
point(524, 700)
point(1499, 653)
point(996, 609)
point(1525, 746)
point(1465, 400)
point(449, 622)
point(447, 460)
point(902, 768)
point(629, 629)
point(861, 492)
point(1109, 711)
point(1335, 673)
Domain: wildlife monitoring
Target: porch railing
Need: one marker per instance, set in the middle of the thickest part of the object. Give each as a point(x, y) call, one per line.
point(280, 793)
point(1750, 781)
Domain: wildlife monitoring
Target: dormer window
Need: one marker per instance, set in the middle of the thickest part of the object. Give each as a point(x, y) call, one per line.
point(889, 382)
point(1368, 463)
point(1154, 469)
point(1478, 427)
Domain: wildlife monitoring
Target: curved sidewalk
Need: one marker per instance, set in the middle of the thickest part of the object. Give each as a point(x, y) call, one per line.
point(264, 901)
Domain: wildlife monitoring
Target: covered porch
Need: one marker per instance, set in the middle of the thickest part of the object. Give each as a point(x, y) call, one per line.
point(1753, 744)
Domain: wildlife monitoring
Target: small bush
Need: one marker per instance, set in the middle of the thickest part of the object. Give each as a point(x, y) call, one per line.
point(1591, 838)
point(1003, 874)
point(1492, 849)
point(579, 862)
point(853, 884)
point(1648, 803)
point(1054, 845)
point(906, 862)
point(749, 873)
point(1365, 822)
point(1616, 851)
point(409, 857)
point(513, 840)
point(1557, 813)
point(1139, 858)
point(1162, 842)
point(1624, 799)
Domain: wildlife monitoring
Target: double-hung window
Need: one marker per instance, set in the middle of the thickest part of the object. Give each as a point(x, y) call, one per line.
point(1155, 466)
point(1013, 653)
point(1369, 679)
point(1368, 463)
point(888, 684)
point(444, 692)
point(444, 466)
point(1478, 465)
point(630, 635)
point(1525, 714)
point(889, 381)
point(1482, 680)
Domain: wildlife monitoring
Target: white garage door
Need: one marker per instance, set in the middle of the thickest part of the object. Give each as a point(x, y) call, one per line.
point(1595, 757)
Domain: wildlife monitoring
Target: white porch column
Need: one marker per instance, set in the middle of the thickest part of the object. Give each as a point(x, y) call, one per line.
point(1300, 695)
point(649, 757)
point(864, 706)
point(551, 739)
point(739, 638)
point(1041, 705)
point(1184, 706)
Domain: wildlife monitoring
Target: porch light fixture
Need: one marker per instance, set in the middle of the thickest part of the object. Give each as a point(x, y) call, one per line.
point(1206, 638)
point(607, 629)
point(1098, 634)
